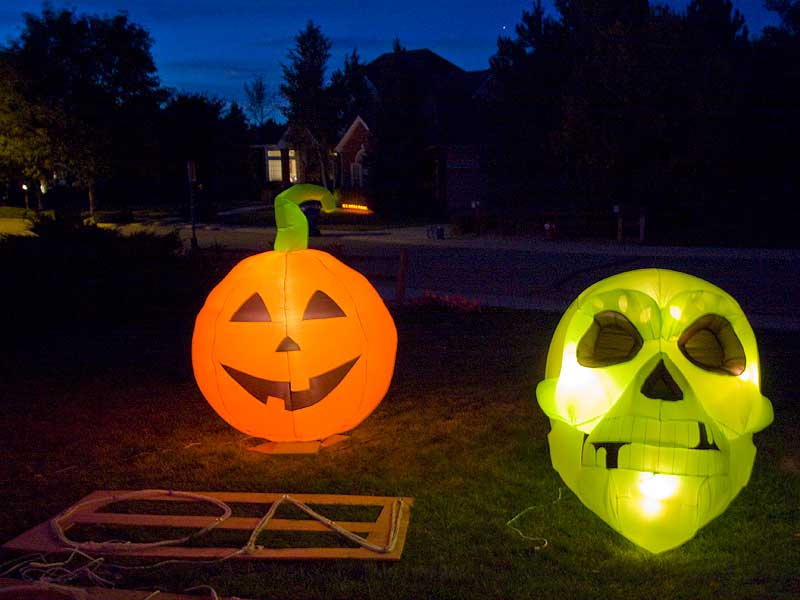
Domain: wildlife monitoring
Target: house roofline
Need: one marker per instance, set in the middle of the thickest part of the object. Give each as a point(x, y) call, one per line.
point(349, 133)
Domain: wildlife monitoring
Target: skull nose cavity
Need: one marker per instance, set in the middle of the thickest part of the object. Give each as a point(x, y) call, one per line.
point(287, 345)
point(660, 385)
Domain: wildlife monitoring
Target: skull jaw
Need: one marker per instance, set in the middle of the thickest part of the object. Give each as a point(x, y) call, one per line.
point(656, 521)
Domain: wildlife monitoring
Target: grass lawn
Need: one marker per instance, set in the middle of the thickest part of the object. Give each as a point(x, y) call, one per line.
point(13, 212)
point(14, 221)
point(98, 393)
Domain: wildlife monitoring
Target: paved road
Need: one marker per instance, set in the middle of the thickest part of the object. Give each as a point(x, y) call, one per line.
point(545, 274)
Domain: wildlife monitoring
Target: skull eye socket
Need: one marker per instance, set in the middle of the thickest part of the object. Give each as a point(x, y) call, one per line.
point(252, 311)
point(711, 344)
point(612, 339)
point(322, 306)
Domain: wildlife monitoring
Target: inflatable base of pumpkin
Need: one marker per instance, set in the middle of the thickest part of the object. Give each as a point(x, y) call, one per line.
point(299, 447)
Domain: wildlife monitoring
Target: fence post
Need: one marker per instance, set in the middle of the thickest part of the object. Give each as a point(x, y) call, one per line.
point(400, 286)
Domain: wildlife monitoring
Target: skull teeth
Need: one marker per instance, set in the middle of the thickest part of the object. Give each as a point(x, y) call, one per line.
point(643, 430)
point(642, 444)
point(670, 461)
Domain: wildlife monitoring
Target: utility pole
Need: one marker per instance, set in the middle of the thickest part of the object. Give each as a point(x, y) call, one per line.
point(191, 175)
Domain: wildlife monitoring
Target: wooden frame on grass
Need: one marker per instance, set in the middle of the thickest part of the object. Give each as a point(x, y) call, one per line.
point(42, 538)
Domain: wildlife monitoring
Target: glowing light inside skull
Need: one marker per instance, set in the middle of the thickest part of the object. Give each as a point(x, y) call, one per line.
point(675, 312)
point(657, 486)
point(581, 390)
point(750, 374)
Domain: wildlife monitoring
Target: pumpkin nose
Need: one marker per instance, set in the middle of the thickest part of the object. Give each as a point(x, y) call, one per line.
point(660, 385)
point(287, 345)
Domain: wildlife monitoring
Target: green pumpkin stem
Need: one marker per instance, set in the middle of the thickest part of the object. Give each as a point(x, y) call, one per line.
point(292, 225)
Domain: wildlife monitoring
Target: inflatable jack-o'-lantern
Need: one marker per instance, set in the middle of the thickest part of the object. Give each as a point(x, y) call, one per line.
point(293, 345)
point(652, 389)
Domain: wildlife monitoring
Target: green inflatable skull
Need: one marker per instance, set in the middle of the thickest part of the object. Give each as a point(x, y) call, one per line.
point(652, 389)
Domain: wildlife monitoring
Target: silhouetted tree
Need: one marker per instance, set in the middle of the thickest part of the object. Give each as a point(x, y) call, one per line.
point(788, 32)
point(309, 111)
point(399, 162)
point(96, 77)
point(529, 72)
point(27, 143)
point(257, 101)
point(622, 103)
point(350, 93)
point(771, 139)
point(234, 173)
point(198, 128)
point(715, 23)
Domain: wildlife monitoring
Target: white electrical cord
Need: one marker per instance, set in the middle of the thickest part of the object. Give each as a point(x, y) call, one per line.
point(25, 589)
point(36, 568)
point(58, 530)
point(397, 506)
point(541, 543)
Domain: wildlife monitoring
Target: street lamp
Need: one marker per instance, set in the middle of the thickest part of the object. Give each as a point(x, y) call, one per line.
point(25, 190)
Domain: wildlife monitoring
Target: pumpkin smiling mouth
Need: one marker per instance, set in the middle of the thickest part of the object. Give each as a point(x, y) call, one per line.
point(319, 386)
point(675, 448)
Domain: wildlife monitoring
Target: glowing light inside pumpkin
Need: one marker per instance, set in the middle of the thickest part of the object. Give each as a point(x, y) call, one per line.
point(293, 345)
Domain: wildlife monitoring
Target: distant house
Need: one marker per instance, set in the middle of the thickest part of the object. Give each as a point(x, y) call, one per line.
point(445, 98)
point(350, 154)
point(281, 167)
point(442, 97)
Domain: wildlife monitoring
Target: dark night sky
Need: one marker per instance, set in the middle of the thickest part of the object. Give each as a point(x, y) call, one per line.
point(215, 46)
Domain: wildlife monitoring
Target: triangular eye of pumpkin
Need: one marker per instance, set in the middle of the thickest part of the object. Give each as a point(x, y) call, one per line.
point(253, 310)
point(322, 306)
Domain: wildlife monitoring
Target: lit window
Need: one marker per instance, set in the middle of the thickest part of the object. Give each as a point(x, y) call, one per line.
point(292, 166)
point(275, 172)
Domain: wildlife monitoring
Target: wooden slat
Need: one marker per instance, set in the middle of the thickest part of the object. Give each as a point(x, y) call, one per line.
point(210, 553)
point(380, 535)
point(191, 522)
point(254, 498)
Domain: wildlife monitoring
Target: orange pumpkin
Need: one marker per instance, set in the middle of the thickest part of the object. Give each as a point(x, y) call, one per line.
point(293, 346)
